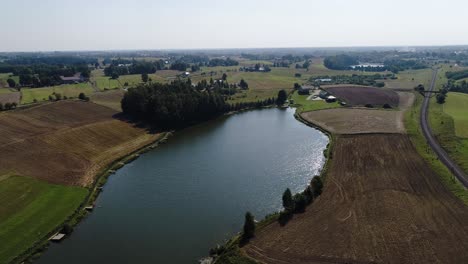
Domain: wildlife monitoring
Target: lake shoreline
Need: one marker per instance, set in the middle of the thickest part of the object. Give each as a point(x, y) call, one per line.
point(232, 249)
point(33, 253)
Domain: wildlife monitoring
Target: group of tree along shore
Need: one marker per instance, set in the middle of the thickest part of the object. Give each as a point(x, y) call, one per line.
point(174, 105)
point(291, 203)
point(179, 104)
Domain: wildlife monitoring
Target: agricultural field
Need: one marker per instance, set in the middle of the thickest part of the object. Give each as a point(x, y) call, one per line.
point(448, 126)
point(362, 120)
point(42, 94)
point(303, 103)
point(102, 82)
point(66, 142)
point(376, 207)
point(457, 107)
point(361, 95)
point(4, 77)
point(54, 150)
point(30, 210)
point(9, 96)
point(357, 121)
point(109, 99)
point(409, 79)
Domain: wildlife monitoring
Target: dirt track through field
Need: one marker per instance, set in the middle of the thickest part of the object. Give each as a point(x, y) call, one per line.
point(381, 204)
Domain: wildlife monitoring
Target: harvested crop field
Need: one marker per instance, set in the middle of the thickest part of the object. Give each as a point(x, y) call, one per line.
point(356, 121)
point(362, 95)
point(110, 99)
point(10, 97)
point(381, 204)
point(66, 142)
point(361, 120)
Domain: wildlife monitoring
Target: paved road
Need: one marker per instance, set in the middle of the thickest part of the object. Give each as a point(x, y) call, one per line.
point(443, 156)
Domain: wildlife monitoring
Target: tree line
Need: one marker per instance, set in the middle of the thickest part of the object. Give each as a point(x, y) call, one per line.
point(174, 105)
point(457, 75)
point(116, 68)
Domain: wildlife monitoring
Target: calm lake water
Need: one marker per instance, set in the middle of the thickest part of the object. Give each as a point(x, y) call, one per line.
point(177, 201)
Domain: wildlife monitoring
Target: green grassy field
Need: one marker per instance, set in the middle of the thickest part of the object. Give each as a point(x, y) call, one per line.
point(42, 94)
point(106, 83)
point(419, 141)
point(457, 107)
point(443, 128)
point(30, 210)
point(304, 105)
point(4, 77)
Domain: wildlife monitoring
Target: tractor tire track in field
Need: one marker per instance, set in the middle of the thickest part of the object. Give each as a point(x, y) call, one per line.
point(441, 153)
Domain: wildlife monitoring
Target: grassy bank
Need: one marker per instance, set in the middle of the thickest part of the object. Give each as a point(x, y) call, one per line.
point(419, 141)
point(78, 211)
point(30, 212)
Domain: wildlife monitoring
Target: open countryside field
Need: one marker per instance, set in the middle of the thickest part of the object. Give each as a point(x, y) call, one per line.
point(4, 77)
point(304, 105)
point(409, 79)
point(356, 121)
point(362, 95)
point(66, 142)
point(42, 94)
point(9, 96)
point(359, 120)
point(110, 99)
point(376, 207)
point(30, 210)
point(457, 107)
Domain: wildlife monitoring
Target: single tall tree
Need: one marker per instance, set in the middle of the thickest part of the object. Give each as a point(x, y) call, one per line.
point(144, 77)
point(288, 202)
point(249, 226)
point(317, 186)
point(282, 96)
point(11, 83)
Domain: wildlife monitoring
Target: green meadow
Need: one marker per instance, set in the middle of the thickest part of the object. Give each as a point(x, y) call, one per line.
point(32, 209)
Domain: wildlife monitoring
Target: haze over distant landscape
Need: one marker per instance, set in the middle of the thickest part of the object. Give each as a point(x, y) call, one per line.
point(145, 24)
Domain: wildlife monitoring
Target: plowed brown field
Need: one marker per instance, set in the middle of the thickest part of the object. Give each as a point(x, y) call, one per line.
point(65, 142)
point(381, 204)
point(362, 95)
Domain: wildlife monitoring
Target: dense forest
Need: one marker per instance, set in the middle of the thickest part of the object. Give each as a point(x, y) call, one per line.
point(124, 67)
point(174, 105)
point(179, 104)
point(461, 87)
point(340, 62)
point(344, 62)
point(458, 75)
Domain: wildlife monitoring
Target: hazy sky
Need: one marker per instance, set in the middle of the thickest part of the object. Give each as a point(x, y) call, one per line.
point(33, 25)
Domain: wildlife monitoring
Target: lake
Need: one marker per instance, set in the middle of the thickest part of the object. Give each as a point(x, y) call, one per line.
point(177, 201)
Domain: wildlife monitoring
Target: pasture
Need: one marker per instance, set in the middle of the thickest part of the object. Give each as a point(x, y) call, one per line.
point(42, 94)
point(304, 105)
point(409, 79)
point(376, 207)
point(457, 107)
point(30, 210)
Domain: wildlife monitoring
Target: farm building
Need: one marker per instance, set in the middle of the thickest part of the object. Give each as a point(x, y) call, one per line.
point(72, 79)
point(331, 99)
point(304, 89)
